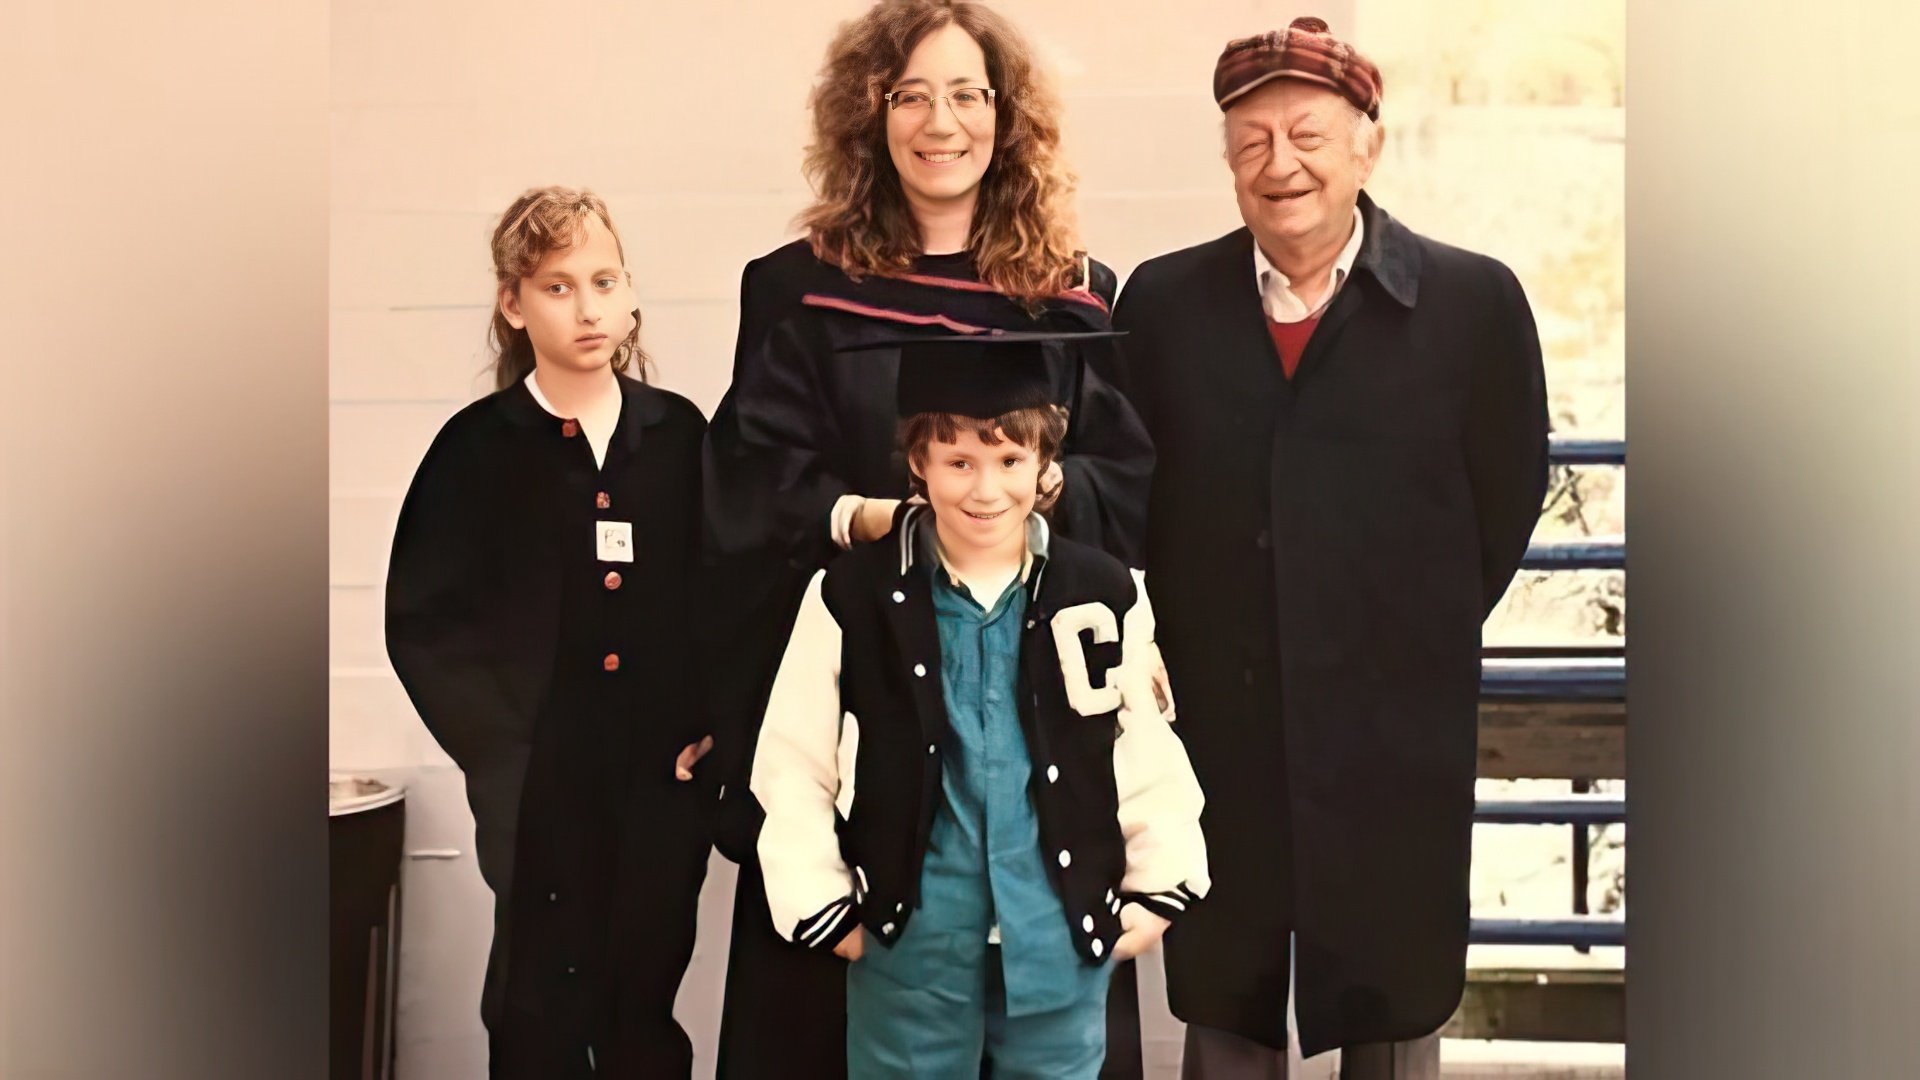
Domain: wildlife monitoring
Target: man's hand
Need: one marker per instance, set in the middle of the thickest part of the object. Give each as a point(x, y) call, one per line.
point(854, 944)
point(690, 756)
point(1142, 930)
point(873, 520)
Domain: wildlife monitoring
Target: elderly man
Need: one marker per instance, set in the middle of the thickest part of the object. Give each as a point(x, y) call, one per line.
point(1351, 427)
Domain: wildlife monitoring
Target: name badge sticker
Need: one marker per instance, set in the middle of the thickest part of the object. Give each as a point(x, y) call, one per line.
point(613, 540)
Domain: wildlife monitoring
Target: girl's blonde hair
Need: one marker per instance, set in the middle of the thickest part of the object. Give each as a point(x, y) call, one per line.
point(1022, 236)
point(544, 220)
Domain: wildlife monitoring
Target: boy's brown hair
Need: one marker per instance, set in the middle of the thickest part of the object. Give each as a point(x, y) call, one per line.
point(1041, 429)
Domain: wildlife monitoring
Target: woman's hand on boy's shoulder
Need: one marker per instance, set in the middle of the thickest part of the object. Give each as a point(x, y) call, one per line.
point(852, 946)
point(873, 520)
point(1141, 930)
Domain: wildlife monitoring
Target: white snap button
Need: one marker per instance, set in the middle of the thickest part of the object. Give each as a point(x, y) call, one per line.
point(929, 748)
point(1116, 907)
point(887, 929)
point(898, 908)
point(1053, 774)
point(1109, 896)
point(920, 670)
point(899, 597)
point(1087, 924)
point(1097, 947)
point(1066, 859)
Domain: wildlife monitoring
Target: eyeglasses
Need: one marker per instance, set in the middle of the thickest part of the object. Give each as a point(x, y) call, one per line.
point(967, 99)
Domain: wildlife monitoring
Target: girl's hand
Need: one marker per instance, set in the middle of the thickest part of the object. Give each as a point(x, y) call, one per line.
point(1142, 931)
point(852, 945)
point(689, 757)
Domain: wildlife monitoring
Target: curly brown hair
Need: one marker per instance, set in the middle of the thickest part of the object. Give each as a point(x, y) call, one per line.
point(1022, 237)
point(543, 220)
point(1041, 429)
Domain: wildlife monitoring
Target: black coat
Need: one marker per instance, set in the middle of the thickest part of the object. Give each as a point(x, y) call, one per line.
point(1322, 552)
point(504, 625)
point(799, 426)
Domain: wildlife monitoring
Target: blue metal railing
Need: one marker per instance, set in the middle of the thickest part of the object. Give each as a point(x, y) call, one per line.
point(1595, 553)
point(1561, 451)
point(1559, 810)
point(1570, 674)
point(1554, 678)
point(1582, 931)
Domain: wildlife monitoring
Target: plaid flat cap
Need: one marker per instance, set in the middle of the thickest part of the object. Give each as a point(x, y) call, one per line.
point(1304, 50)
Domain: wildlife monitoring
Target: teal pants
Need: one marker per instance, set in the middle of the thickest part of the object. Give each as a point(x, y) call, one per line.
point(932, 1009)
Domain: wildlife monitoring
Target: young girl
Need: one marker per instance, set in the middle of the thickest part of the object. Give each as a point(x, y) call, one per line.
point(537, 612)
point(942, 199)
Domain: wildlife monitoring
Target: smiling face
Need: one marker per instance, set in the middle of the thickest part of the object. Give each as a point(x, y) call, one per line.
point(981, 492)
point(577, 305)
point(941, 151)
point(1298, 164)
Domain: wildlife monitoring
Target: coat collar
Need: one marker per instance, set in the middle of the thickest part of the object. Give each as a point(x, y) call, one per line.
point(918, 543)
point(1389, 251)
point(641, 406)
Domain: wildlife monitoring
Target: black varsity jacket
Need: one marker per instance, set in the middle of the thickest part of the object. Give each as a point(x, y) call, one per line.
point(847, 768)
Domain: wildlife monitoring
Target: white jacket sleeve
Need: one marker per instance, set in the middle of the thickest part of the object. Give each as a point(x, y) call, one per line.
point(1160, 799)
point(796, 777)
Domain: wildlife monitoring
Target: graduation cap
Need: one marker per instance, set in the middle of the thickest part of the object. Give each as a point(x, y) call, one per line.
point(982, 375)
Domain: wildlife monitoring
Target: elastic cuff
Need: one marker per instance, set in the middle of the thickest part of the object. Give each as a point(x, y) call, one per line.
point(1169, 905)
point(831, 926)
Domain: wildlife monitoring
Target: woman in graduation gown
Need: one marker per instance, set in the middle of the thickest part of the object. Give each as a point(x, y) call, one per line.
point(943, 203)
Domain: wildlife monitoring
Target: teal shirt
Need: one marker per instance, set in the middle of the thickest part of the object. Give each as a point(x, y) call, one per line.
point(984, 866)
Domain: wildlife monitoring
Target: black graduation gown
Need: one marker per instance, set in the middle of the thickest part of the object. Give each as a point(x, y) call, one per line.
point(1322, 553)
point(798, 427)
point(564, 693)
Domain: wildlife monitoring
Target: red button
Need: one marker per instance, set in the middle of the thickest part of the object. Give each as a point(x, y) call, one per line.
point(601, 501)
point(612, 662)
point(570, 429)
point(613, 579)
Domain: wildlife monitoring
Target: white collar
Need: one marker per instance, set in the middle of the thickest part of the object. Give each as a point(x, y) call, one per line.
point(1342, 266)
point(598, 423)
point(533, 387)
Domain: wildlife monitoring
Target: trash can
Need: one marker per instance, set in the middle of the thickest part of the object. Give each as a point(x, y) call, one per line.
point(366, 831)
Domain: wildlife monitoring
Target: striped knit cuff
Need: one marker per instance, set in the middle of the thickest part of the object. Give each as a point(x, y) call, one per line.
point(827, 928)
point(1169, 905)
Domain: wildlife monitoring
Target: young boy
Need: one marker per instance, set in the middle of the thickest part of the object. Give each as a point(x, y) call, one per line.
point(969, 789)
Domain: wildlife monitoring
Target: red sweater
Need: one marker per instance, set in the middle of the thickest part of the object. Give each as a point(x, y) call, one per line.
point(1291, 339)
